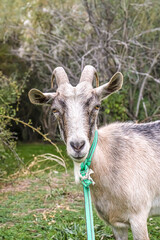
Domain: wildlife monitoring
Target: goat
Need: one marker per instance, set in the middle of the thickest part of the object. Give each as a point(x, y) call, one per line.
point(126, 162)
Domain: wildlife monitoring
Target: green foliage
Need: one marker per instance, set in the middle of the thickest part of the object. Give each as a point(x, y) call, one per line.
point(114, 107)
point(7, 97)
point(10, 93)
point(110, 35)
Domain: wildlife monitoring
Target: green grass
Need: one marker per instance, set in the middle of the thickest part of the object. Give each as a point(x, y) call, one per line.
point(49, 206)
point(31, 209)
point(28, 151)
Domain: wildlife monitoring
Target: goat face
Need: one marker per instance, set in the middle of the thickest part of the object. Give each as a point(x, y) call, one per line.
point(76, 108)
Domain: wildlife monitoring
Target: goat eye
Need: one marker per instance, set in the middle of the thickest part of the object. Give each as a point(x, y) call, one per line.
point(97, 107)
point(54, 110)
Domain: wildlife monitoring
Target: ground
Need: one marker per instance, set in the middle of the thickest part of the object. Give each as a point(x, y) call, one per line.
point(48, 206)
point(32, 208)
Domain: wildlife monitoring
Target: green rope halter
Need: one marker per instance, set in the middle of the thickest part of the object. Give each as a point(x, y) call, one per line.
point(86, 181)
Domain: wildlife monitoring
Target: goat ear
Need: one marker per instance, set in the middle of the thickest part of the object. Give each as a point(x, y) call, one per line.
point(112, 86)
point(39, 98)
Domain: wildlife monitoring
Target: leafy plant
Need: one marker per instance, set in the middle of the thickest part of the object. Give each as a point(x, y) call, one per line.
point(10, 93)
point(115, 107)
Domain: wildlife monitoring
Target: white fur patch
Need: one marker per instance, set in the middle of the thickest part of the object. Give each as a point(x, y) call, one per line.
point(77, 129)
point(77, 172)
point(155, 210)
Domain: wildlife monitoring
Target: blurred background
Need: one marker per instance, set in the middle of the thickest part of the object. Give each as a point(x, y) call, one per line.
point(38, 35)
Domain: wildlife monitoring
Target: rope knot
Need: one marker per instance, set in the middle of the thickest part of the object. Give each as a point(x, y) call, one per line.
point(86, 178)
point(85, 171)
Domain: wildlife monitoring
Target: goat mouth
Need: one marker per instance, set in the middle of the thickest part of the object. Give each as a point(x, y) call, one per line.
point(78, 159)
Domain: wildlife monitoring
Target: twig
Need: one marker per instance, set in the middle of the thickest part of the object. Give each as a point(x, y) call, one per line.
point(150, 118)
point(147, 31)
point(34, 129)
point(144, 83)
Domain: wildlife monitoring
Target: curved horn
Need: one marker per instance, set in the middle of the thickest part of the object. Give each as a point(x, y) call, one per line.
point(60, 75)
point(88, 74)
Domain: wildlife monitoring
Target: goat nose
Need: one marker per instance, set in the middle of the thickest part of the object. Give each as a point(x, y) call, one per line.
point(77, 146)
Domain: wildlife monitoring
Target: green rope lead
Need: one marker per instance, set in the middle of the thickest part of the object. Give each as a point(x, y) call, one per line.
point(86, 181)
point(89, 213)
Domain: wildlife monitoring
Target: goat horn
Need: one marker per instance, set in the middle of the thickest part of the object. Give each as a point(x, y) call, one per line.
point(88, 73)
point(60, 75)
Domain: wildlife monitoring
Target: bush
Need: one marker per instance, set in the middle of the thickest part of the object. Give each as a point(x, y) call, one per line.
point(10, 92)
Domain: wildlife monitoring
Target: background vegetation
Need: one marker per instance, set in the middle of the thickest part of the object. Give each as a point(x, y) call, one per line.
point(38, 35)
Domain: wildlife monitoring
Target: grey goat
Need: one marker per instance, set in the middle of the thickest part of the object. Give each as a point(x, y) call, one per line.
point(126, 162)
